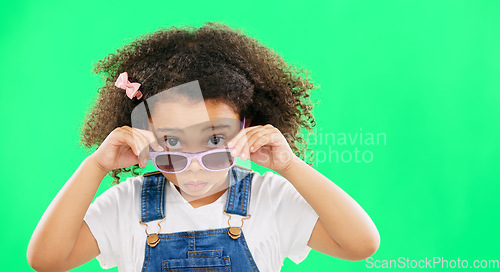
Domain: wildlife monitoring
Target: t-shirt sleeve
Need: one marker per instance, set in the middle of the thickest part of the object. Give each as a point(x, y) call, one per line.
point(103, 220)
point(295, 218)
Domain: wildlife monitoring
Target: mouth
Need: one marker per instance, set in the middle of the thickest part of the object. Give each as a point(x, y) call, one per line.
point(195, 182)
point(196, 185)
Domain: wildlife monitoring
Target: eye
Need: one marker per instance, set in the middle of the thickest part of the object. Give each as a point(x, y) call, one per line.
point(172, 142)
point(216, 140)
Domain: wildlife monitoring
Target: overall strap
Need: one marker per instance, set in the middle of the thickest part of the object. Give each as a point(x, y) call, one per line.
point(239, 191)
point(154, 186)
point(153, 196)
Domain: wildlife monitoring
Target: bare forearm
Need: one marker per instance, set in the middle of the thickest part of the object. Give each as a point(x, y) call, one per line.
point(57, 231)
point(344, 219)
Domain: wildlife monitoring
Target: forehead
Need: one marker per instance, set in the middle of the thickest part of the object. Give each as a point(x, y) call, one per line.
point(181, 107)
point(184, 114)
point(215, 124)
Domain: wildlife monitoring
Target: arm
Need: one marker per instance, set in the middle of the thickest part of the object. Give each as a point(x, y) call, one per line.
point(343, 229)
point(62, 240)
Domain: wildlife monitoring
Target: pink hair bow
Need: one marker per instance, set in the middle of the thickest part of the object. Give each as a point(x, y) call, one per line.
point(132, 89)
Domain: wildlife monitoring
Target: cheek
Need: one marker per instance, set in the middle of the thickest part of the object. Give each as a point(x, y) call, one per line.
point(218, 176)
point(176, 179)
point(213, 177)
point(172, 178)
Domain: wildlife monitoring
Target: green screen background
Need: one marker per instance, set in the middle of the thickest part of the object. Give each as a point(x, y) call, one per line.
point(423, 74)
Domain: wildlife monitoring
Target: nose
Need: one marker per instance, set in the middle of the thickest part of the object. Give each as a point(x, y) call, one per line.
point(195, 165)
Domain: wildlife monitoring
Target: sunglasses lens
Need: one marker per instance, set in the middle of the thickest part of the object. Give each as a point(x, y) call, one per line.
point(218, 160)
point(171, 163)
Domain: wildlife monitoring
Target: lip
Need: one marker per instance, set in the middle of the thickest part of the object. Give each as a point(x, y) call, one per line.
point(195, 182)
point(196, 185)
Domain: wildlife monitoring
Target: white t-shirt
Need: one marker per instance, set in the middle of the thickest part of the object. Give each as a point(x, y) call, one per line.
point(280, 225)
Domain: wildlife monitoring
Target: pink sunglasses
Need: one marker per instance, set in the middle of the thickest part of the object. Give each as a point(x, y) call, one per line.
point(176, 162)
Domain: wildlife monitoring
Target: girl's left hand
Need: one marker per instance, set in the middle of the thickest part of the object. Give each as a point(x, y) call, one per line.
point(264, 145)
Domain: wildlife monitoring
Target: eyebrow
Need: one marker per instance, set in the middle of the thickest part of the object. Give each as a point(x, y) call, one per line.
point(179, 130)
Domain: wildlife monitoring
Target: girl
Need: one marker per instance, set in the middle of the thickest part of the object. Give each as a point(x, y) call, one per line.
point(199, 211)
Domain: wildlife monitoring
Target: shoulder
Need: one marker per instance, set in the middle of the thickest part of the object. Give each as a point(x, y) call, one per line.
point(271, 183)
point(128, 185)
point(270, 178)
point(122, 198)
point(123, 191)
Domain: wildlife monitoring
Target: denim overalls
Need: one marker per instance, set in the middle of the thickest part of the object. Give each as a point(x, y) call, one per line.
point(203, 250)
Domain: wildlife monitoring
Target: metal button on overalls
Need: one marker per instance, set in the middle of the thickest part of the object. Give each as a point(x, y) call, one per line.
point(223, 249)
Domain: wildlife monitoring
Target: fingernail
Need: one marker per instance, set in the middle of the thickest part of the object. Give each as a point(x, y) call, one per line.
point(242, 155)
point(230, 144)
point(145, 161)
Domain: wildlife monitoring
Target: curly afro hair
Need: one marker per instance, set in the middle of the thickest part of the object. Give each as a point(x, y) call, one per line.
point(230, 67)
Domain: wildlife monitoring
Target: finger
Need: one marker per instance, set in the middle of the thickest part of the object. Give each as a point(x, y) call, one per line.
point(256, 142)
point(240, 134)
point(128, 138)
point(141, 143)
point(242, 143)
point(143, 147)
point(132, 141)
point(151, 139)
point(258, 139)
point(238, 142)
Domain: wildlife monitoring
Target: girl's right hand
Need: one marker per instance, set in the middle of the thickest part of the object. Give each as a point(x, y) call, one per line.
point(125, 146)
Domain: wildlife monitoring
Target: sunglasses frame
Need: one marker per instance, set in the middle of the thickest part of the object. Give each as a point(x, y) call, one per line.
point(189, 156)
